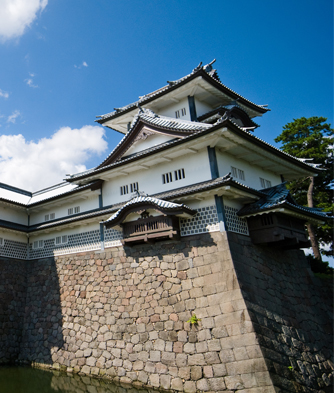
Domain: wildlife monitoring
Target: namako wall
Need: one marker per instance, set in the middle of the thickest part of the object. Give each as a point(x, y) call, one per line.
point(123, 313)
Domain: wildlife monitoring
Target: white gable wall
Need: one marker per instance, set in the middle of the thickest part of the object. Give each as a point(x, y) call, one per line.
point(150, 141)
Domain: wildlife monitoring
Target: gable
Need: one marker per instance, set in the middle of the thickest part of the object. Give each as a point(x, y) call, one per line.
point(146, 139)
point(149, 130)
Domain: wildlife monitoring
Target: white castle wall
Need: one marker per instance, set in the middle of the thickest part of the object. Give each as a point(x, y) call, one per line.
point(252, 172)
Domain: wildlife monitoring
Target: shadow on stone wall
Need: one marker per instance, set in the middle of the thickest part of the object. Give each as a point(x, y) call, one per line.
point(42, 324)
point(292, 314)
point(12, 303)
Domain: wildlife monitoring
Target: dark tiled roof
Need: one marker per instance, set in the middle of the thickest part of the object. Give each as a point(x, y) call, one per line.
point(205, 70)
point(275, 197)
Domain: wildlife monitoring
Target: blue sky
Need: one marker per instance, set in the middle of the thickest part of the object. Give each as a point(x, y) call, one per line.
point(64, 62)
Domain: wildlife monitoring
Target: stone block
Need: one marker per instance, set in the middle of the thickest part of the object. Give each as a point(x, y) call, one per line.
point(202, 385)
point(190, 387)
point(177, 384)
point(184, 373)
point(154, 380)
point(196, 360)
point(196, 373)
point(165, 381)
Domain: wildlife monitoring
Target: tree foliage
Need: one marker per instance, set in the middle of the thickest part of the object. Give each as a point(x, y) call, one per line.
point(312, 138)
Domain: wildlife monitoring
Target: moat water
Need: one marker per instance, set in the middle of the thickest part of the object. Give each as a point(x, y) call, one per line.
point(32, 380)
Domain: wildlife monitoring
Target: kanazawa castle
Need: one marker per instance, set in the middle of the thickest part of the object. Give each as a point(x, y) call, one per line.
point(189, 163)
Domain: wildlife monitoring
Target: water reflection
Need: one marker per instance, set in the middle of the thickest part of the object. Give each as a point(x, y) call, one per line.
point(30, 380)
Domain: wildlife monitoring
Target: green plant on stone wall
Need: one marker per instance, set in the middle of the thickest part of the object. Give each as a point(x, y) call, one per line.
point(194, 320)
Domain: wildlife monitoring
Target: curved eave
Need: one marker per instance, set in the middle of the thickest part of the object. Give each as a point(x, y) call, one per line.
point(287, 208)
point(225, 129)
point(168, 89)
point(124, 212)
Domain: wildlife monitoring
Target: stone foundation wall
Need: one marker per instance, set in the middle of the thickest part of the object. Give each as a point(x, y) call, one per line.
point(292, 314)
point(123, 313)
point(12, 303)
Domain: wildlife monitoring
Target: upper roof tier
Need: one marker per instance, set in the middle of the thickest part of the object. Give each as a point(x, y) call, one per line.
point(203, 83)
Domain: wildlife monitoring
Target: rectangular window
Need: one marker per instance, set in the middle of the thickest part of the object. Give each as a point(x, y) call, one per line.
point(134, 187)
point(61, 240)
point(77, 209)
point(50, 216)
point(1, 242)
point(124, 190)
point(183, 111)
point(238, 173)
point(167, 178)
point(177, 114)
point(179, 174)
point(38, 244)
point(70, 211)
point(265, 183)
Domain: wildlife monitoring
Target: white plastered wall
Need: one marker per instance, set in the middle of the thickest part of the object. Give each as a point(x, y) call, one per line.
point(202, 108)
point(170, 110)
point(64, 231)
point(17, 216)
point(195, 165)
point(62, 211)
point(252, 173)
point(14, 236)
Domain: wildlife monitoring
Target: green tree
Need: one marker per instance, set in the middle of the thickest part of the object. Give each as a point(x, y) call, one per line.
point(312, 138)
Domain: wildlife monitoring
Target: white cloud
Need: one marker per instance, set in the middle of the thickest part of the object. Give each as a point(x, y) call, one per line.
point(84, 64)
point(17, 15)
point(35, 165)
point(12, 118)
point(4, 94)
point(30, 82)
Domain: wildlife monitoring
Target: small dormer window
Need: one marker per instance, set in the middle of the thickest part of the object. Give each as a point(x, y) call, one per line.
point(177, 114)
point(238, 173)
point(183, 111)
point(77, 209)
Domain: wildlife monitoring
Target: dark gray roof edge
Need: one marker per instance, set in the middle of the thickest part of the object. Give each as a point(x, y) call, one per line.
point(15, 189)
point(289, 206)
